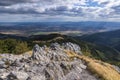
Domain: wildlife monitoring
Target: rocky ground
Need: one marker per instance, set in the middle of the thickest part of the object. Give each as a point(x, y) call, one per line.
point(46, 63)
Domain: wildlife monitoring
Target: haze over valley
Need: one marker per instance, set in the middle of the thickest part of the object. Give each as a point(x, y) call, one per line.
point(69, 28)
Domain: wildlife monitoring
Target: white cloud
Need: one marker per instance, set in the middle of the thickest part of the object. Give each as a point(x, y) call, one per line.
point(102, 9)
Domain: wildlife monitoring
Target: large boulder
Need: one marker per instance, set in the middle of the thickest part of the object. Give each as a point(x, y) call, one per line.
point(38, 53)
point(55, 46)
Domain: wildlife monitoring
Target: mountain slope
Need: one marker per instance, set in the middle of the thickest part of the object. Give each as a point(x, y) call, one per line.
point(8, 36)
point(100, 52)
point(46, 63)
point(111, 38)
point(55, 62)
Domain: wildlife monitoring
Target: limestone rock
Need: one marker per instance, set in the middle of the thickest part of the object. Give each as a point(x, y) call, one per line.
point(46, 63)
point(14, 76)
point(72, 47)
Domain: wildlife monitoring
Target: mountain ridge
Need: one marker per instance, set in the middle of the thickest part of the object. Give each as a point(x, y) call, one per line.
point(100, 52)
point(55, 62)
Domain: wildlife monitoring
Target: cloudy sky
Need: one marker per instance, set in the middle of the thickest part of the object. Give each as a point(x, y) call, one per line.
point(59, 10)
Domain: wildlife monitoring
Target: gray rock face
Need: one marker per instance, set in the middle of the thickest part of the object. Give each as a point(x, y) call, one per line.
point(46, 63)
point(72, 47)
point(38, 53)
point(17, 76)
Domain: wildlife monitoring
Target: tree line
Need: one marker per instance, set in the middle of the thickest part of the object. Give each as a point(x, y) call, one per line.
point(13, 46)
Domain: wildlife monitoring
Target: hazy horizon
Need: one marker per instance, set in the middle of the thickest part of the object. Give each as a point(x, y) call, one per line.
point(60, 21)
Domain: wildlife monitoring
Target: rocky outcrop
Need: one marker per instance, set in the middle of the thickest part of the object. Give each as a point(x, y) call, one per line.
point(72, 47)
point(46, 63)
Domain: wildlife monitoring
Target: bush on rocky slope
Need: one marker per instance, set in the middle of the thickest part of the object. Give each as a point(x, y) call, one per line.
point(13, 46)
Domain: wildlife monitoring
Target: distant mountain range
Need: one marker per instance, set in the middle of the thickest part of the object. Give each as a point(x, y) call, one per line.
point(30, 28)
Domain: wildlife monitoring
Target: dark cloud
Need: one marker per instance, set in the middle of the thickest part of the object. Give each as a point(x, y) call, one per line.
point(116, 9)
point(11, 2)
point(18, 11)
point(55, 10)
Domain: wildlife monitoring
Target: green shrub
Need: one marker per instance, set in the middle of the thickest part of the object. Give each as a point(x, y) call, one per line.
point(21, 47)
point(13, 46)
